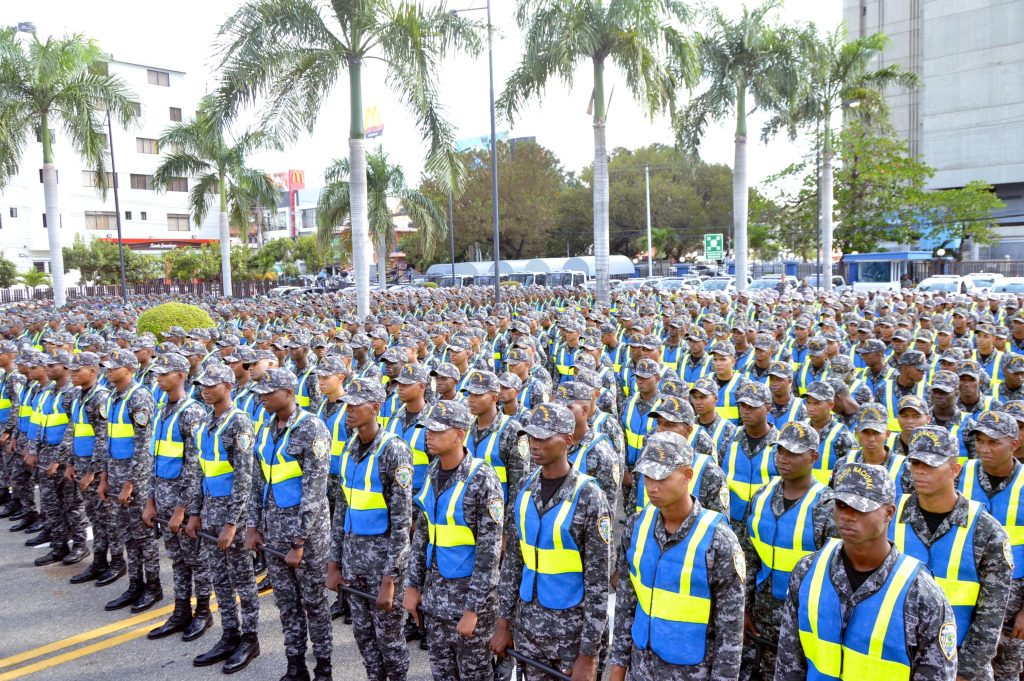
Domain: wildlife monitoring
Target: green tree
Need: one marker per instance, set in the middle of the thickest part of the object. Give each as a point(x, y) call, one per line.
point(98, 263)
point(34, 278)
point(57, 84)
point(411, 245)
point(385, 184)
point(966, 213)
point(8, 272)
point(308, 251)
point(205, 149)
point(745, 64)
point(293, 51)
point(639, 36)
point(141, 268)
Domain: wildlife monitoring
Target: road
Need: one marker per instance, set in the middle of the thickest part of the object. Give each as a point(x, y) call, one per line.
point(55, 631)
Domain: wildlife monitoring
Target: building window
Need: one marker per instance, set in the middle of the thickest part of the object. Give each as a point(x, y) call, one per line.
point(14, 211)
point(142, 215)
point(177, 222)
point(158, 77)
point(127, 215)
point(176, 114)
point(39, 265)
point(100, 220)
point(89, 179)
point(56, 174)
point(142, 181)
point(177, 184)
point(144, 145)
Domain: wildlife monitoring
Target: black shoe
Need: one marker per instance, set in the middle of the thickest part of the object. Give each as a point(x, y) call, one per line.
point(55, 555)
point(5, 495)
point(115, 571)
point(340, 608)
point(423, 643)
point(322, 670)
point(25, 521)
point(79, 552)
point(264, 585)
point(179, 620)
point(412, 632)
point(10, 509)
point(296, 669)
point(40, 539)
point(248, 649)
point(93, 572)
point(151, 595)
point(135, 588)
point(259, 563)
point(38, 526)
point(201, 620)
point(222, 650)
point(21, 513)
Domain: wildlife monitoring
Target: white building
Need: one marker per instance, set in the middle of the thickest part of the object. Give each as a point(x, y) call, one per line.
point(151, 221)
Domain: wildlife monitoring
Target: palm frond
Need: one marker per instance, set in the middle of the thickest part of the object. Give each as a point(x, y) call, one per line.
point(205, 190)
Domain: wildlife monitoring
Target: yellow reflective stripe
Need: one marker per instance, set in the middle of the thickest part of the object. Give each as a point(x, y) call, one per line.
point(1015, 531)
point(173, 450)
point(900, 532)
point(84, 430)
point(120, 429)
point(453, 534)
point(218, 466)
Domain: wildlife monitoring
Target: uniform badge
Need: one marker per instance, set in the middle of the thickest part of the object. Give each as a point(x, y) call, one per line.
point(141, 418)
point(947, 640)
point(615, 472)
point(524, 447)
point(1008, 553)
point(604, 528)
point(244, 440)
point(723, 496)
point(320, 447)
point(403, 475)
point(739, 561)
point(496, 508)
point(103, 409)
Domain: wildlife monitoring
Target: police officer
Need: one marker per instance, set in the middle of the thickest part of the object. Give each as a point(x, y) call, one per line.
point(493, 437)
point(411, 385)
point(288, 512)
point(684, 622)
point(785, 406)
point(859, 608)
point(218, 503)
point(703, 397)
point(964, 547)
point(835, 439)
point(793, 516)
point(749, 461)
point(534, 390)
point(453, 569)
point(591, 453)
point(370, 533)
point(635, 417)
point(11, 384)
point(873, 447)
point(553, 602)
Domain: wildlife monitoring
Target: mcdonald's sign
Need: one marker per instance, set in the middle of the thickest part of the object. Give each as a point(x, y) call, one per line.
point(296, 180)
point(372, 122)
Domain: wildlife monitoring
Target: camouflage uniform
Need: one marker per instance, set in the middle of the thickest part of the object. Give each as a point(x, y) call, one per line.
point(23, 477)
point(11, 384)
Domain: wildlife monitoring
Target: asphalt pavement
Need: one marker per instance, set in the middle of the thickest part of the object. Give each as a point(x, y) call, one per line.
point(56, 631)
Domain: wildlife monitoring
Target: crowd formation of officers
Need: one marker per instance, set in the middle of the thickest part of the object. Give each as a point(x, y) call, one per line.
point(678, 487)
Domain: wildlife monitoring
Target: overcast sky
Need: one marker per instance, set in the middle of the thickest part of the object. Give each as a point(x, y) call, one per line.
point(180, 34)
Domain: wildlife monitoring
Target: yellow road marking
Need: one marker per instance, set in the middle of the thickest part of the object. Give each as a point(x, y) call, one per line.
point(71, 655)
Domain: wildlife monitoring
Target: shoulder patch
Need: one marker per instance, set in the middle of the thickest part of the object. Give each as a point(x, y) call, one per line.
point(947, 640)
point(604, 528)
point(103, 409)
point(496, 509)
point(320, 447)
point(739, 561)
point(615, 473)
point(1008, 553)
point(141, 418)
point(403, 475)
point(723, 497)
point(244, 440)
point(524, 447)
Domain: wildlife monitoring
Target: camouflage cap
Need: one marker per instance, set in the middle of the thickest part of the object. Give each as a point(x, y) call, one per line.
point(864, 487)
point(332, 365)
point(518, 356)
point(459, 343)
point(175, 331)
point(802, 322)
point(723, 348)
point(191, 348)
point(946, 381)
point(969, 367)
point(753, 394)
point(925, 336)
point(676, 410)
point(1014, 363)
point(573, 391)
point(1015, 408)
point(707, 385)
point(662, 454)
point(480, 382)
point(276, 379)
point(216, 374)
point(379, 332)
point(360, 340)
point(996, 424)
point(872, 416)
point(445, 415)
point(60, 357)
point(547, 420)
point(901, 334)
point(143, 343)
point(841, 364)
point(931, 445)
point(696, 333)
point(780, 369)
point(241, 353)
point(764, 341)
point(870, 345)
point(590, 341)
point(816, 346)
point(674, 386)
point(263, 336)
point(510, 380)
point(172, 361)
point(912, 358)
point(447, 370)
point(413, 372)
point(820, 390)
point(647, 368)
point(228, 340)
point(571, 324)
point(84, 359)
point(121, 358)
point(198, 333)
point(647, 342)
point(798, 437)
point(365, 389)
point(912, 402)
point(394, 355)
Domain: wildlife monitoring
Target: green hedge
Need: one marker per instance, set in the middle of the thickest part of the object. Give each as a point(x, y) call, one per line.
point(162, 317)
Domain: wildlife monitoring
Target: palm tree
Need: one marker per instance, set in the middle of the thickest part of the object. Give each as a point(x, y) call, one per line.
point(61, 83)
point(837, 75)
point(740, 60)
point(204, 149)
point(637, 35)
point(292, 52)
point(384, 181)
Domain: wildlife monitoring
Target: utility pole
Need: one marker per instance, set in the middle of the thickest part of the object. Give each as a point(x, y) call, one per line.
point(650, 257)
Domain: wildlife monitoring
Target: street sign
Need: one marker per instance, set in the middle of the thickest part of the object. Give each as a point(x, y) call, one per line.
point(713, 247)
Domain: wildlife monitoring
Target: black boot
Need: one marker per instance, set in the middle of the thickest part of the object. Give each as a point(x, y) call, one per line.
point(5, 495)
point(25, 512)
point(179, 620)
point(135, 588)
point(201, 620)
point(38, 526)
point(79, 552)
point(221, 651)
point(322, 670)
point(97, 568)
point(340, 608)
point(296, 669)
point(248, 649)
point(151, 595)
point(116, 569)
point(56, 555)
point(10, 508)
point(39, 539)
point(264, 585)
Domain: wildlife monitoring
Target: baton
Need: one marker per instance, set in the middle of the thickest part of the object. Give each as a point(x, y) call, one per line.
point(355, 592)
point(540, 666)
point(763, 642)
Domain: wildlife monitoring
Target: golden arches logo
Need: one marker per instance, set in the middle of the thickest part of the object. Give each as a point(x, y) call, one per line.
point(373, 124)
point(297, 179)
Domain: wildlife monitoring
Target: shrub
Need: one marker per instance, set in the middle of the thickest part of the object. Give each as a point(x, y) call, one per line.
point(162, 317)
point(512, 284)
point(429, 284)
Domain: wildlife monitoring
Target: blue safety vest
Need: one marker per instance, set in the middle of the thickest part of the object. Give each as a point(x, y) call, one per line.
point(449, 539)
point(416, 438)
point(168, 444)
point(53, 420)
point(746, 475)
point(367, 512)
point(578, 459)
point(83, 444)
point(636, 427)
point(489, 449)
point(339, 433)
point(120, 430)
point(281, 471)
point(218, 473)
point(1005, 506)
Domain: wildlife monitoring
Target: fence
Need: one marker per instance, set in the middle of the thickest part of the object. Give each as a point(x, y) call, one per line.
point(241, 289)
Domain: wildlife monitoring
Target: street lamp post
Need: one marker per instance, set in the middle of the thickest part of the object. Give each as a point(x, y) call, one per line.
point(117, 209)
point(650, 257)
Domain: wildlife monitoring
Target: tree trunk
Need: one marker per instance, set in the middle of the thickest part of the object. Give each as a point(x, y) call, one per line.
point(739, 192)
point(225, 242)
point(357, 192)
point(826, 214)
point(600, 190)
point(52, 216)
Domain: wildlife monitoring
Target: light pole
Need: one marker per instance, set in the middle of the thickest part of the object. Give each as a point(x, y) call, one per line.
point(650, 258)
point(117, 209)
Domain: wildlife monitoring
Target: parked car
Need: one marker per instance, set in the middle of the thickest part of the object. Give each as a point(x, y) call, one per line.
point(1009, 285)
point(719, 284)
point(812, 281)
point(677, 283)
point(946, 283)
point(984, 280)
point(282, 291)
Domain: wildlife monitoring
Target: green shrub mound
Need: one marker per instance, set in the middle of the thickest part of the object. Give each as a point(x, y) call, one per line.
point(162, 317)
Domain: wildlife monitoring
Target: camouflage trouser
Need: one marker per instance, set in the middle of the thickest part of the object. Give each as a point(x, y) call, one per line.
point(1007, 664)
point(758, 661)
point(379, 633)
point(22, 479)
point(61, 503)
point(302, 600)
point(187, 564)
point(143, 551)
point(233, 574)
point(455, 657)
point(548, 636)
point(105, 536)
point(334, 493)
